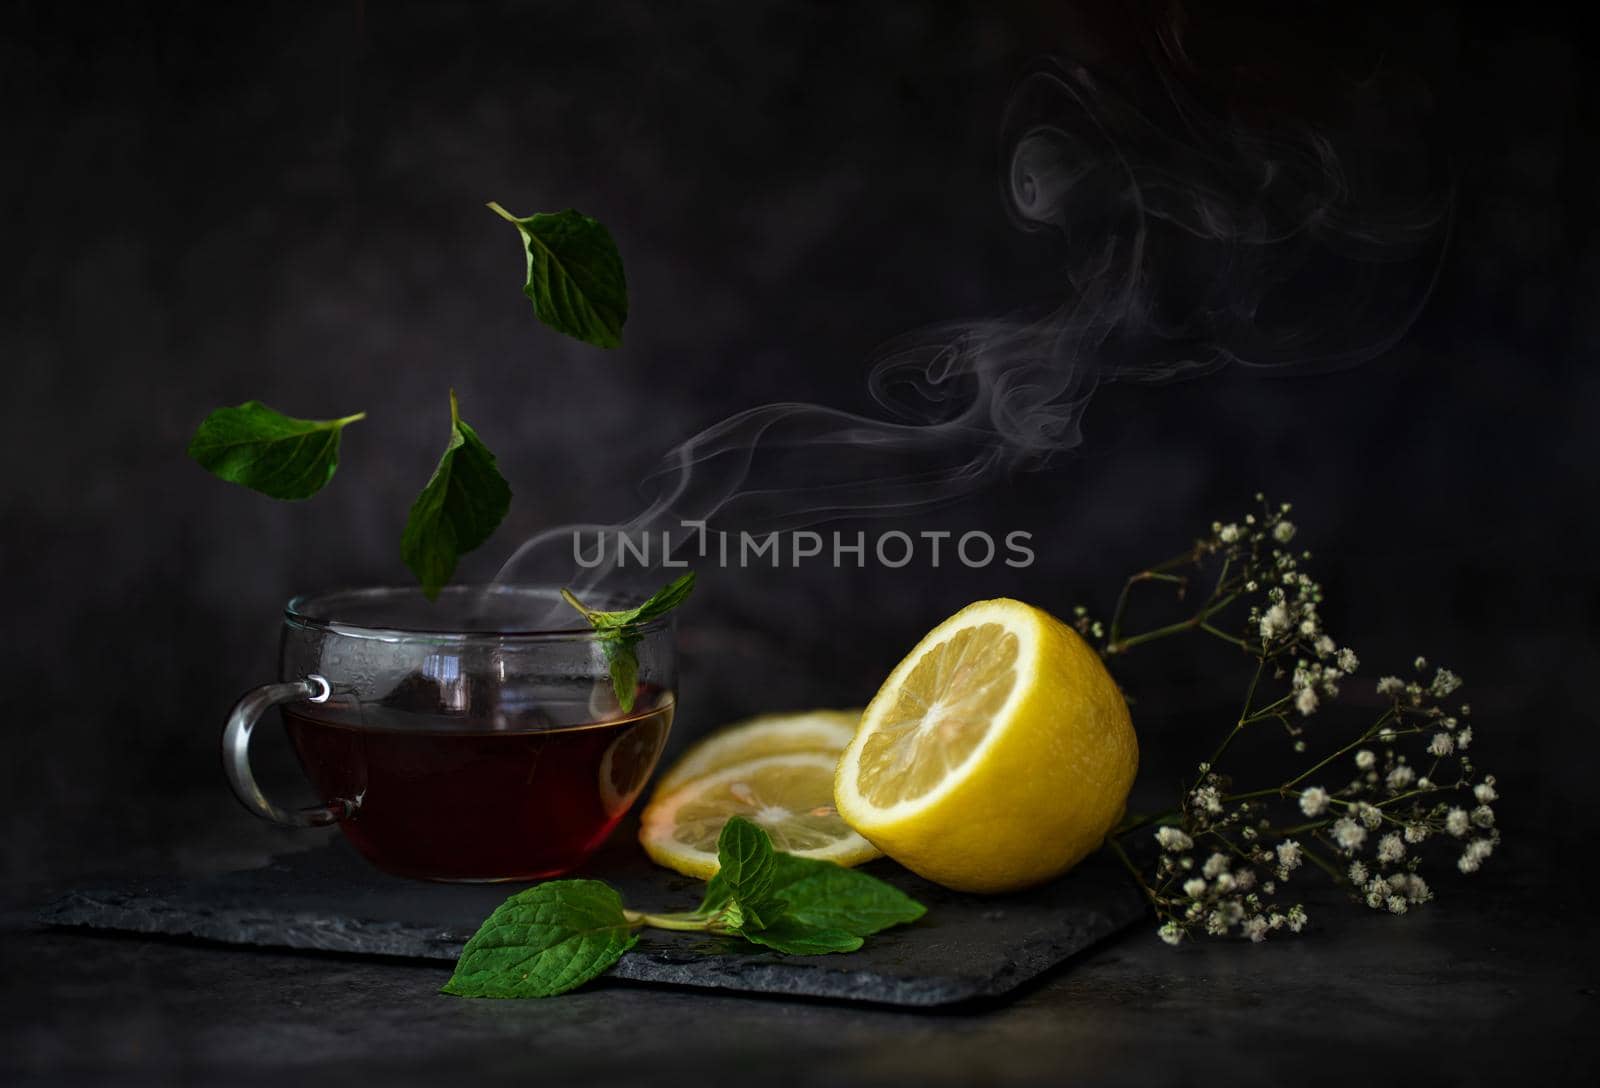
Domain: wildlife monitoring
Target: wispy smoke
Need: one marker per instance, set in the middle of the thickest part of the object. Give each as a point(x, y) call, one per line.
point(1190, 242)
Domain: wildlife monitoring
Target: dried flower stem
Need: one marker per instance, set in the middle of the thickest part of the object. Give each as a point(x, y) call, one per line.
point(1263, 604)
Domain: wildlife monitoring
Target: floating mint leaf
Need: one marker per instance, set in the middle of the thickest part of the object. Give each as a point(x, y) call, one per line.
point(618, 643)
point(575, 276)
point(544, 941)
point(269, 452)
point(462, 504)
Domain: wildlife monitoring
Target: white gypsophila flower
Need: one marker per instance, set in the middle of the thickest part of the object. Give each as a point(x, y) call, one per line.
point(1365, 759)
point(1172, 839)
point(1255, 927)
point(1457, 822)
point(1371, 816)
point(1306, 702)
point(1244, 879)
point(1208, 798)
point(1473, 857)
point(1484, 791)
point(1483, 816)
point(1283, 532)
point(1309, 626)
point(1233, 912)
point(1358, 872)
point(1297, 918)
point(1417, 890)
point(1444, 682)
point(1228, 534)
point(1324, 646)
point(1390, 848)
point(1170, 932)
point(1397, 904)
point(1376, 893)
point(1224, 882)
point(1194, 887)
point(1288, 855)
point(1214, 865)
point(1314, 801)
point(1464, 739)
point(1270, 887)
point(1276, 921)
point(1424, 783)
point(1216, 924)
point(1420, 663)
point(1416, 833)
point(1441, 745)
point(1391, 685)
point(1348, 661)
point(1348, 834)
point(1274, 622)
point(1401, 777)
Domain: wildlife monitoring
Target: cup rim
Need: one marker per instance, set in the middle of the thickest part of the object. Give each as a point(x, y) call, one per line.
point(302, 611)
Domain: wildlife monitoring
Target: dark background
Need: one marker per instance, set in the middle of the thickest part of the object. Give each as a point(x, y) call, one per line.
point(209, 204)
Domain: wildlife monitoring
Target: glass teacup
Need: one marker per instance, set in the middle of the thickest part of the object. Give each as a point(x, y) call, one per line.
point(466, 738)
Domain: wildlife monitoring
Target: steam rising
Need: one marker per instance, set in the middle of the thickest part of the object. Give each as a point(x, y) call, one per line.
point(1190, 243)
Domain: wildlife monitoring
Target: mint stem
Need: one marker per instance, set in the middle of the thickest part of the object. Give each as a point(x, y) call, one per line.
point(567, 595)
point(495, 207)
point(696, 923)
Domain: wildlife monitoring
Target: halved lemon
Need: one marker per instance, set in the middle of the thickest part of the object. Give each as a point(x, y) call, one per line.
point(997, 755)
point(766, 735)
point(789, 795)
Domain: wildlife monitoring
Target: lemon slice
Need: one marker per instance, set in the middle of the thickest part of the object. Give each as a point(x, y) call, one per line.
point(766, 735)
point(997, 755)
point(789, 795)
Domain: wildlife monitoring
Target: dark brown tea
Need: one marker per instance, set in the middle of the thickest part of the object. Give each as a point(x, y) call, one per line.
point(496, 797)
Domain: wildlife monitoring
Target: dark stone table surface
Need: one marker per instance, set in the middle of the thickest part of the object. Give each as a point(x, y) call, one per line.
point(1496, 981)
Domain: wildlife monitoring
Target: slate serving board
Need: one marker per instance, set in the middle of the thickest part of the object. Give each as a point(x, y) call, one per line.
point(967, 948)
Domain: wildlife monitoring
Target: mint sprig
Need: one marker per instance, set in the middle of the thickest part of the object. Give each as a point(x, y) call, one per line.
point(562, 933)
point(267, 451)
point(619, 638)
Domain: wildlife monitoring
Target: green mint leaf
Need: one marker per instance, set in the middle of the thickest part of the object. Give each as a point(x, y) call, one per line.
point(826, 896)
point(462, 504)
point(664, 600)
point(799, 939)
point(745, 864)
point(544, 941)
point(618, 643)
point(822, 895)
point(622, 661)
point(269, 452)
point(575, 276)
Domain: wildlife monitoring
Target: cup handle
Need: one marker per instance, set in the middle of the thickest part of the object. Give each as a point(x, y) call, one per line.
point(236, 752)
